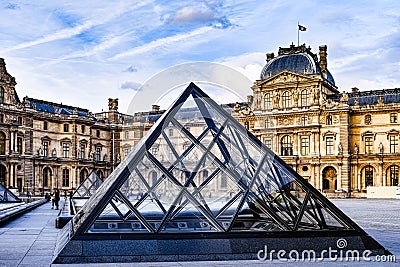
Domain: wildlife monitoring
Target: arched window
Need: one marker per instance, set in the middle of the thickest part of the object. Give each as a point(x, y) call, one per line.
point(100, 174)
point(286, 99)
point(2, 174)
point(368, 172)
point(1, 95)
point(2, 143)
point(286, 146)
point(46, 177)
point(304, 98)
point(267, 101)
point(82, 175)
point(153, 178)
point(393, 175)
point(65, 178)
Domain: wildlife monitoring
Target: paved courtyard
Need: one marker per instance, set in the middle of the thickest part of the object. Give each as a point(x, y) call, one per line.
point(30, 239)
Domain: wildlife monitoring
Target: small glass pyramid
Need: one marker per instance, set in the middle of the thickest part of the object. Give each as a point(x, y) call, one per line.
point(7, 196)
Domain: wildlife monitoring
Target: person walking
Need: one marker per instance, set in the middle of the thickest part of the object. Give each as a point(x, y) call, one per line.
point(56, 199)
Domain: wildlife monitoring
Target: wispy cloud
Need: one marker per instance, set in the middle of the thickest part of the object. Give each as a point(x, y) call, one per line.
point(162, 42)
point(73, 31)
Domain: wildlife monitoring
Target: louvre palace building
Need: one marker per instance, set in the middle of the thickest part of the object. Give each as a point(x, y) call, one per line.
point(341, 142)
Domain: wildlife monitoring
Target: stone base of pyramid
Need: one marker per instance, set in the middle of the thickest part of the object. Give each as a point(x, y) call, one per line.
point(113, 248)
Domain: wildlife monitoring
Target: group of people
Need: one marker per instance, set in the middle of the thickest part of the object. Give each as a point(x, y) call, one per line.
point(55, 198)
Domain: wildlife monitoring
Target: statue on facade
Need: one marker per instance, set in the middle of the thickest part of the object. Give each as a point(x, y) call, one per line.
point(340, 149)
point(381, 148)
point(315, 95)
point(355, 149)
point(344, 98)
point(276, 99)
point(295, 95)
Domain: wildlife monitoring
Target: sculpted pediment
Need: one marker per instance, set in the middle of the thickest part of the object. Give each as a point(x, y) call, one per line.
point(286, 77)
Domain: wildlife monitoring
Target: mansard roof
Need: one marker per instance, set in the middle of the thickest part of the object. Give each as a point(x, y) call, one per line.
point(371, 97)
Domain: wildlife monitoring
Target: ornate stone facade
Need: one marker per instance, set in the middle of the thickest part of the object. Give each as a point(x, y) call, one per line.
point(340, 142)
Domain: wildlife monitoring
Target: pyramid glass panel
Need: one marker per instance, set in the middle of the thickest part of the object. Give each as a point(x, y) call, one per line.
point(88, 187)
point(215, 180)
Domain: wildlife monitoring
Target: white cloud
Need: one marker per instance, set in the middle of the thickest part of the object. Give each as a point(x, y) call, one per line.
point(129, 85)
point(191, 14)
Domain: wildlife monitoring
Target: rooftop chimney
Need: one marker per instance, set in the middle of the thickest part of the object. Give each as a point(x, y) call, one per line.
point(323, 63)
point(355, 90)
point(270, 56)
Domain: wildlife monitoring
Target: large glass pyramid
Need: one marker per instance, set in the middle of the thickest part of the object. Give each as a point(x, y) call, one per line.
point(88, 186)
point(7, 196)
point(198, 173)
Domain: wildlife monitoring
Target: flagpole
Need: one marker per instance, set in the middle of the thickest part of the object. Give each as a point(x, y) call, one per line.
point(298, 34)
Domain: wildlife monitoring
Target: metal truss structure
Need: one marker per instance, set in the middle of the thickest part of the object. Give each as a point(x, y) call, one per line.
point(88, 186)
point(198, 173)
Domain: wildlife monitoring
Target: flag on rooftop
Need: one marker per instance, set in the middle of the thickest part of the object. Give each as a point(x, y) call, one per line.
point(302, 28)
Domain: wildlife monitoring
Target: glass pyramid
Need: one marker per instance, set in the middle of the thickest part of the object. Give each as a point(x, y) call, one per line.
point(199, 170)
point(7, 196)
point(199, 186)
point(88, 187)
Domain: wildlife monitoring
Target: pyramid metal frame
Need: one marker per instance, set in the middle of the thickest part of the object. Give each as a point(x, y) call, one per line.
point(7, 196)
point(88, 186)
point(269, 199)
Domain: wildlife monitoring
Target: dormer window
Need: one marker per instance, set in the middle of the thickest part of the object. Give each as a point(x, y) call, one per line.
point(329, 120)
point(393, 118)
point(368, 119)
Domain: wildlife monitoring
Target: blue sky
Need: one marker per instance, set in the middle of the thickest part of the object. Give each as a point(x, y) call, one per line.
point(83, 52)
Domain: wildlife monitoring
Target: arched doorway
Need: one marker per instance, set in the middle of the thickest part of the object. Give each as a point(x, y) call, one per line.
point(392, 175)
point(368, 174)
point(82, 175)
point(2, 143)
point(46, 177)
point(2, 175)
point(329, 176)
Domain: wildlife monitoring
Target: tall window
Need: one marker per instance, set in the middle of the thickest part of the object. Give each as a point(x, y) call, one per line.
point(19, 145)
point(267, 101)
point(286, 146)
point(66, 128)
point(45, 149)
point(1, 95)
point(46, 176)
point(286, 99)
point(394, 143)
point(204, 175)
point(329, 120)
point(329, 145)
point(126, 135)
point(19, 120)
point(65, 147)
point(305, 145)
point(45, 125)
point(304, 98)
point(65, 178)
point(82, 128)
point(98, 153)
point(369, 144)
point(2, 143)
point(1, 118)
point(98, 133)
point(170, 132)
point(153, 177)
point(82, 152)
point(369, 175)
point(268, 142)
point(393, 175)
point(82, 176)
point(303, 121)
point(268, 123)
point(393, 118)
point(224, 180)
